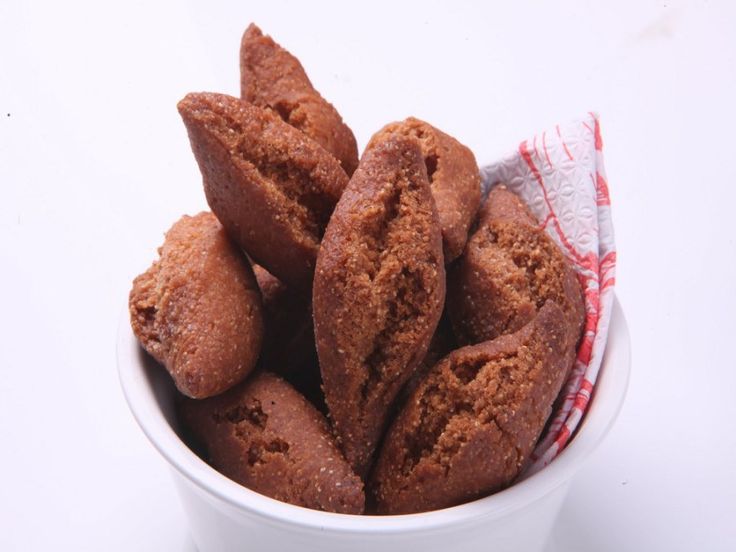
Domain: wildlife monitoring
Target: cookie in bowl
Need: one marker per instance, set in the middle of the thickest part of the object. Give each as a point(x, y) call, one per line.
point(272, 77)
point(453, 176)
point(266, 436)
point(510, 268)
point(471, 423)
point(379, 290)
point(271, 186)
point(197, 309)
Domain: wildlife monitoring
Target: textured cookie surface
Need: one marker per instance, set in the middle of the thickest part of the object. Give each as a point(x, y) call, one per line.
point(271, 186)
point(470, 425)
point(197, 310)
point(509, 269)
point(379, 290)
point(264, 435)
point(272, 77)
point(453, 175)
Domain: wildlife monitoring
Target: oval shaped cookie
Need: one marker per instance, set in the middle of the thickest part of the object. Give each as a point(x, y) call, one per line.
point(197, 310)
point(469, 427)
point(267, 437)
point(453, 175)
point(509, 269)
point(272, 77)
point(379, 289)
point(271, 186)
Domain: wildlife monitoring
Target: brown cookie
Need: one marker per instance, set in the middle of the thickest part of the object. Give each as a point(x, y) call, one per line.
point(271, 77)
point(510, 268)
point(271, 186)
point(453, 175)
point(469, 427)
point(266, 436)
point(379, 289)
point(197, 310)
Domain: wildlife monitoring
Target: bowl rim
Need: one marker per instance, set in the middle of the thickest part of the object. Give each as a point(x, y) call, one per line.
point(610, 391)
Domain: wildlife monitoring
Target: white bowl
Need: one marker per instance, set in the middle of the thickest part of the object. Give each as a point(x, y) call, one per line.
point(225, 516)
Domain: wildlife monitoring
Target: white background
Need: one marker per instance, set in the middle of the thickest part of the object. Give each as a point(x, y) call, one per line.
point(95, 165)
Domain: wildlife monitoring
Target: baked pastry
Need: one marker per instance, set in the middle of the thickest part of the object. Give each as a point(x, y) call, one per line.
point(379, 289)
point(510, 268)
point(266, 436)
point(469, 427)
point(271, 186)
point(197, 310)
point(272, 77)
point(453, 175)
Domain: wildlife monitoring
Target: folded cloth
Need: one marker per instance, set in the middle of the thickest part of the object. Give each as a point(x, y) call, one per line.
point(561, 177)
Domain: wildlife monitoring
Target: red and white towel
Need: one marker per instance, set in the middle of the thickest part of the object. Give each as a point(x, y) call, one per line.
point(560, 175)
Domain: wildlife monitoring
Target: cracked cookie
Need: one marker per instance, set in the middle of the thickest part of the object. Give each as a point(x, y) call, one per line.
point(378, 294)
point(197, 310)
point(453, 176)
point(264, 435)
point(509, 269)
point(272, 77)
point(271, 186)
point(469, 427)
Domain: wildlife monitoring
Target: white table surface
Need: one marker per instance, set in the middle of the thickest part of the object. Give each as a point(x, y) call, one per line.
point(95, 165)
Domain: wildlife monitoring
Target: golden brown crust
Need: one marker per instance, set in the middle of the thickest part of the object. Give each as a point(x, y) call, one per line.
point(197, 310)
point(379, 290)
point(510, 268)
point(453, 175)
point(267, 437)
point(271, 186)
point(272, 77)
point(469, 427)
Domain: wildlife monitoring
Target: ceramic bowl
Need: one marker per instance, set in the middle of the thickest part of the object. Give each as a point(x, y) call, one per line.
point(225, 516)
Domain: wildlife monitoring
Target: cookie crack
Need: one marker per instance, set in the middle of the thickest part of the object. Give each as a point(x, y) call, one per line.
point(446, 401)
point(252, 414)
point(409, 299)
point(304, 202)
point(297, 187)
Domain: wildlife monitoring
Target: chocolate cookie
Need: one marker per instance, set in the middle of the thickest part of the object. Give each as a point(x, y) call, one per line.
point(469, 427)
point(271, 77)
point(453, 175)
point(267, 437)
point(197, 310)
point(379, 289)
point(510, 268)
point(271, 186)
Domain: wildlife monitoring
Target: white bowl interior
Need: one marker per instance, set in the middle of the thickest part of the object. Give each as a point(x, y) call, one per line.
point(150, 394)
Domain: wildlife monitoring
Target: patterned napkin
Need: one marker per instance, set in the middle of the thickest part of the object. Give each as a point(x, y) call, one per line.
point(560, 175)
